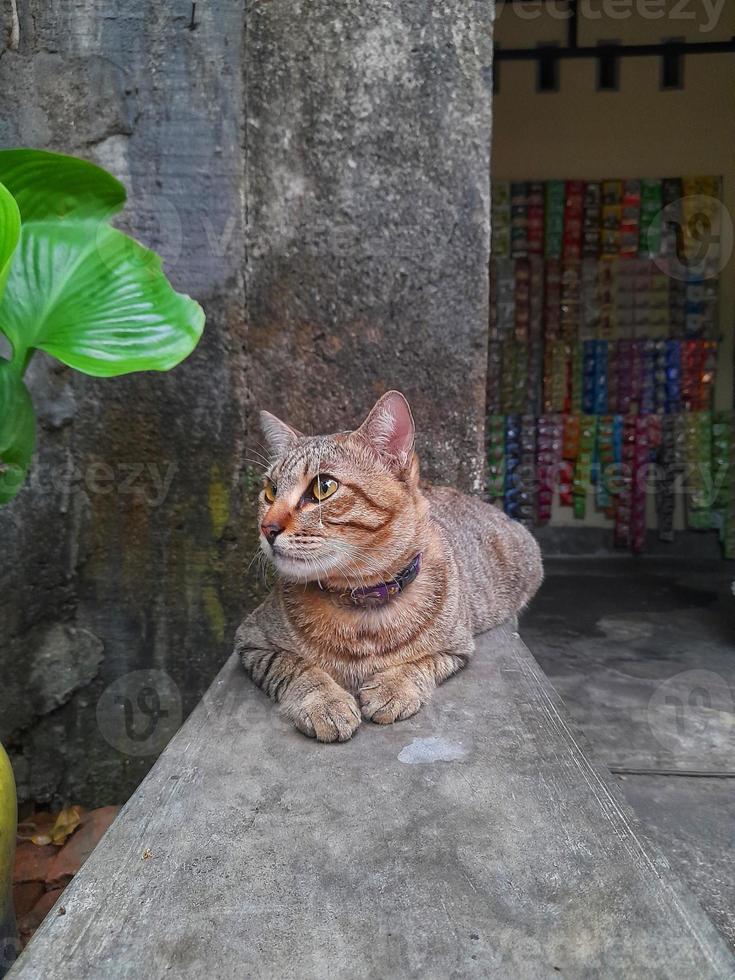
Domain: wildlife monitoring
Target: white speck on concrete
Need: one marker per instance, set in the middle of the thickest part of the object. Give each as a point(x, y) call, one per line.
point(434, 749)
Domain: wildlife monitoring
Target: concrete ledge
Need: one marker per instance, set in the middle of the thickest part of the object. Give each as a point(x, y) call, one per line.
point(475, 840)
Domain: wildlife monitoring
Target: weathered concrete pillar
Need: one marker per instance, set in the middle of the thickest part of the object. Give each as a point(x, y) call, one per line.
point(367, 201)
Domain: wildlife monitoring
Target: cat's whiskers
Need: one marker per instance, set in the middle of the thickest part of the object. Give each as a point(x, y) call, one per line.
point(266, 458)
point(255, 462)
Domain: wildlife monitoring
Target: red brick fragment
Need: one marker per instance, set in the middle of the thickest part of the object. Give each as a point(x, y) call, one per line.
point(32, 862)
point(80, 845)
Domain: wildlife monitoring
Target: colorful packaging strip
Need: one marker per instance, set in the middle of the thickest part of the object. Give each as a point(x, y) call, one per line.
point(594, 377)
point(698, 361)
point(647, 404)
point(640, 484)
point(605, 461)
point(651, 207)
point(630, 222)
point(536, 226)
point(612, 215)
point(573, 220)
point(526, 472)
point(728, 491)
point(511, 498)
point(495, 436)
point(519, 220)
point(592, 219)
point(501, 219)
point(576, 378)
point(659, 377)
point(514, 372)
point(722, 473)
point(698, 469)
point(549, 447)
point(571, 299)
point(505, 296)
point(670, 456)
point(557, 377)
point(624, 505)
point(552, 300)
point(554, 218)
point(625, 376)
point(583, 468)
point(673, 377)
point(522, 300)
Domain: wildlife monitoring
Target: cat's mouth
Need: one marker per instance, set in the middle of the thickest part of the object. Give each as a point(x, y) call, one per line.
point(292, 565)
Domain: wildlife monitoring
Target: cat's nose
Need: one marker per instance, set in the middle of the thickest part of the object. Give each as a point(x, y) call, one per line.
point(271, 530)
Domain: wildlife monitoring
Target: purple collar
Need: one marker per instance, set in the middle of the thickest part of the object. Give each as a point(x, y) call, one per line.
point(373, 596)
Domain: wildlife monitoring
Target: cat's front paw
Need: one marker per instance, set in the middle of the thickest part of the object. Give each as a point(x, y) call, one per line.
point(327, 716)
point(389, 696)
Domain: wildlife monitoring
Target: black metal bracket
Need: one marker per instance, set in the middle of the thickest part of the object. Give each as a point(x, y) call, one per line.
point(607, 54)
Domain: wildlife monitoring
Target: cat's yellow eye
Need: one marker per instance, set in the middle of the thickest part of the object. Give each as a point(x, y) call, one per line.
point(269, 491)
point(323, 487)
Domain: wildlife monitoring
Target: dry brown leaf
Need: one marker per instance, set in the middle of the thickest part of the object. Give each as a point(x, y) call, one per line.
point(45, 828)
point(66, 823)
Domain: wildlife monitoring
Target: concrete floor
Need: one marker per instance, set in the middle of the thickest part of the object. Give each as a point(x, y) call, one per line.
point(643, 653)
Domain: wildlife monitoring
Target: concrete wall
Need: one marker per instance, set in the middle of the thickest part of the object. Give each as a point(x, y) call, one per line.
point(639, 131)
point(317, 175)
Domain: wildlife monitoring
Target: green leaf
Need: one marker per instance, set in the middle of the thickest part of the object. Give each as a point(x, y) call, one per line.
point(9, 232)
point(51, 185)
point(96, 300)
point(17, 431)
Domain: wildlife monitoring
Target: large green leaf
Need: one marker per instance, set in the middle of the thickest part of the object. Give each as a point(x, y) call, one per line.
point(96, 300)
point(51, 185)
point(9, 232)
point(17, 431)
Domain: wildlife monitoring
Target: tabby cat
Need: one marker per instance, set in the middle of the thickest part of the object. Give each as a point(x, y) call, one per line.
point(382, 585)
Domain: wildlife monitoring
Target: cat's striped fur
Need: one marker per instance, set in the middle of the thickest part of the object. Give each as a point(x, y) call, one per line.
point(329, 665)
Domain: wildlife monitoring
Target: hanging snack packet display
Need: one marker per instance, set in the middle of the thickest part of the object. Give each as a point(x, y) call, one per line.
point(604, 305)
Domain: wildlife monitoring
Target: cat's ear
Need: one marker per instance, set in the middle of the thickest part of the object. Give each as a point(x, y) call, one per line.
point(389, 429)
point(279, 436)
